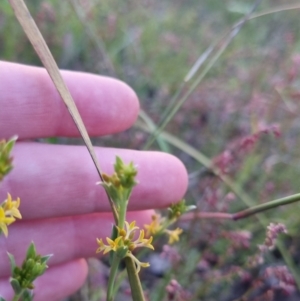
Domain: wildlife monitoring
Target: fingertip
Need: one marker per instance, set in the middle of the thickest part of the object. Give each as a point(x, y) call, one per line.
point(178, 177)
point(182, 175)
point(107, 105)
point(61, 281)
point(32, 107)
point(163, 180)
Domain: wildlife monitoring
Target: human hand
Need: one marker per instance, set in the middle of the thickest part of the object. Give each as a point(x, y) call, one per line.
point(63, 210)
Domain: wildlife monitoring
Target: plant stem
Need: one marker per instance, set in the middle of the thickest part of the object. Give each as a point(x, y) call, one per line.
point(112, 278)
point(244, 213)
point(17, 296)
point(122, 214)
point(266, 206)
point(205, 215)
point(134, 280)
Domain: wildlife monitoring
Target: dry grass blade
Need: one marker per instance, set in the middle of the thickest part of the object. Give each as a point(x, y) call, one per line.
point(41, 48)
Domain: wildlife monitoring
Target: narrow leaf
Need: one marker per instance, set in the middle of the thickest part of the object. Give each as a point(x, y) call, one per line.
point(10, 144)
point(31, 251)
point(12, 262)
point(45, 258)
point(27, 295)
point(15, 285)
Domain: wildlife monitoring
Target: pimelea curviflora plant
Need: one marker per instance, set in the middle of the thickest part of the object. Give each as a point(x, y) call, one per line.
point(122, 242)
point(126, 236)
point(34, 265)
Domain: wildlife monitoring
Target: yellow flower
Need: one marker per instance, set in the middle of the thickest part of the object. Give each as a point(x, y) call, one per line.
point(143, 242)
point(128, 235)
point(124, 244)
point(128, 232)
point(8, 213)
point(5, 221)
point(11, 207)
point(156, 225)
point(173, 235)
point(111, 246)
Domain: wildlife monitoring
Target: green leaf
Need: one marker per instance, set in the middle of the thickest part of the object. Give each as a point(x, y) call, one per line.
point(31, 251)
point(10, 144)
point(27, 295)
point(45, 258)
point(15, 285)
point(118, 164)
point(12, 262)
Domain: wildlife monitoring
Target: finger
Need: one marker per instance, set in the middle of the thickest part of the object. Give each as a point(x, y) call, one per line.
point(67, 238)
point(57, 283)
point(31, 107)
point(55, 180)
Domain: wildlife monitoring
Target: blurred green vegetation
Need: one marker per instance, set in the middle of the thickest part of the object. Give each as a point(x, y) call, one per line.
point(251, 91)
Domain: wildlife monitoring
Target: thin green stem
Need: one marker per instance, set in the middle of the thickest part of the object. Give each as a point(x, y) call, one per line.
point(155, 133)
point(112, 278)
point(17, 296)
point(161, 142)
point(275, 10)
point(266, 206)
point(244, 213)
point(122, 214)
point(134, 280)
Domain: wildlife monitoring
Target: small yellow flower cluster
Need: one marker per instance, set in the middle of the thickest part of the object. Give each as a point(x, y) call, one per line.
point(8, 213)
point(124, 243)
point(159, 225)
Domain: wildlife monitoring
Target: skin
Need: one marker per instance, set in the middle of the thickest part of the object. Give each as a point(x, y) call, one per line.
point(63, 210)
